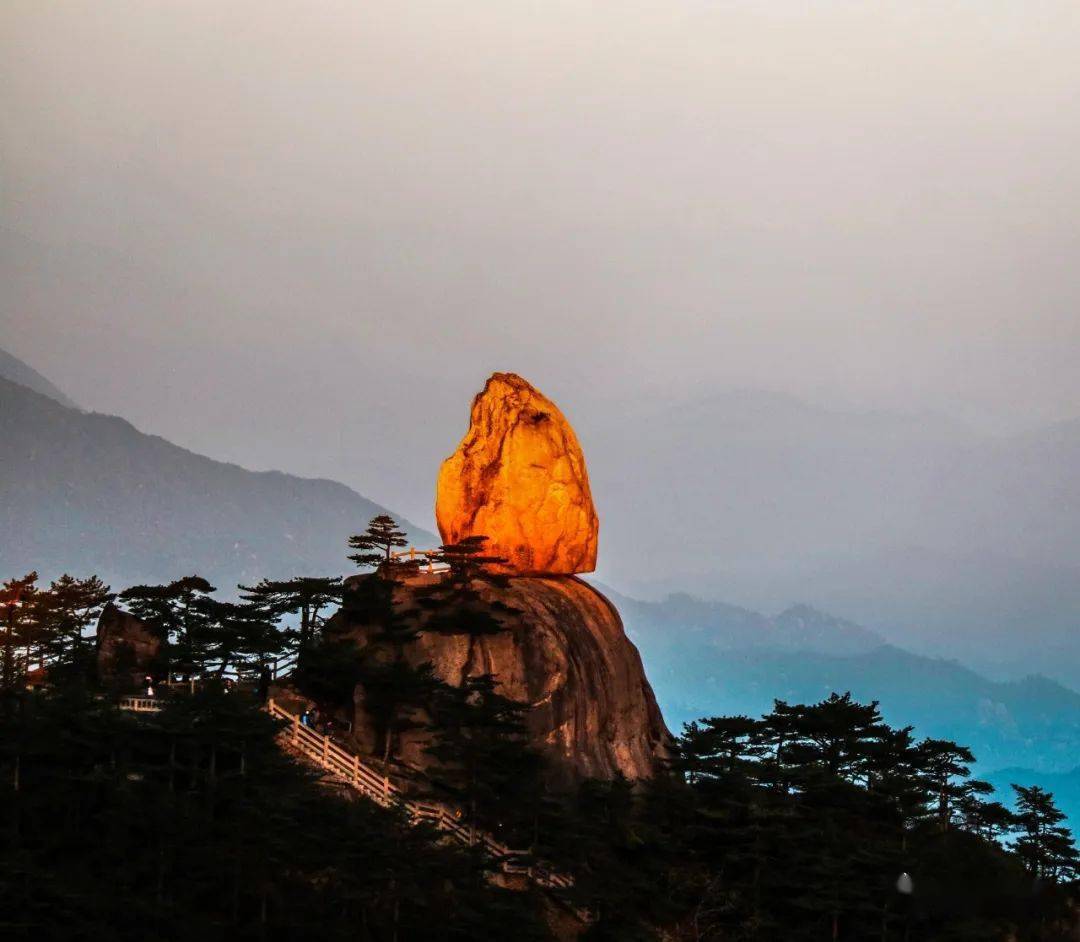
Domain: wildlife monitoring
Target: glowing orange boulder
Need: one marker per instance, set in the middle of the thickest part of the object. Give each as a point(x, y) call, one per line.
point(518, 477)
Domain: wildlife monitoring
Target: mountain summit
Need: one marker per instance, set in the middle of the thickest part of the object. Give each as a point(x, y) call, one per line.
point(15, 370)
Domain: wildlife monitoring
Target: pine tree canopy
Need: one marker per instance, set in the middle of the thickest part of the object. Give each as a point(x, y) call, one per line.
point(377, 543)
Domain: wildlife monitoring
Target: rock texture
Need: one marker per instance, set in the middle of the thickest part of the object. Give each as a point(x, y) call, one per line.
point(518, 477)
point(127, 648)
point(566, 655)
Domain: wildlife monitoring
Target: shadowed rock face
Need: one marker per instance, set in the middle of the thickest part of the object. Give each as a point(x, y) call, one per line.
point(127, 648)
point(518, 477)
point(566, 655)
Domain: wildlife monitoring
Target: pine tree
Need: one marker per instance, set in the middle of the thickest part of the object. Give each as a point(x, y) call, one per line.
point(16, 610)
point(306, 596)
point(723, 748)
point(456, 603)
point(175, 611)
point(989, 820)
point(395, 693)
point(377, 543)
point(64, 613)
point(945, 766)
point(481, 744)
point(806, 818)
point(1044, 845)
point(238, 636)
point(330, 671)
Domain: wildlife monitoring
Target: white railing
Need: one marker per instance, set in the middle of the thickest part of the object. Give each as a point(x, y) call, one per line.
point(140, 704)
point(327, 754)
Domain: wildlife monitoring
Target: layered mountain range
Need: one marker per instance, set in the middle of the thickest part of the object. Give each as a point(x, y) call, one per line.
point(708, 658)
point(86, 492)
point(83, 492)
point(946, 539)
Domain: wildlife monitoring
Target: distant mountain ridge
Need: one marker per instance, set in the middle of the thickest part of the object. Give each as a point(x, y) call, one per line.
point(15, 370)
point(82, 491)
point(797, 628)
point(707, 658)
point(945, 539)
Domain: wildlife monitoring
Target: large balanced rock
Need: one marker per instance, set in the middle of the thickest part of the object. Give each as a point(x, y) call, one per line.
point(564, 653)
point(518, 477)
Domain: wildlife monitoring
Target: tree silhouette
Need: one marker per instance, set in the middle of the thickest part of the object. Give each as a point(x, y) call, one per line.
point(17, 610)
point(64, 613)
point(238, 636)
point(812, 822)
point(377, 543)
point(306, 596)
point(176, 611)
point(1045, 846)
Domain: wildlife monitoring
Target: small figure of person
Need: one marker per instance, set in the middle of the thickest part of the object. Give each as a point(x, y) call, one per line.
point(148, 682)
point(305, 718)
point(229, 683)
point(264, 683)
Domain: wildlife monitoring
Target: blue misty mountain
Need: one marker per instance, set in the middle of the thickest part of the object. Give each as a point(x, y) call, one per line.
point(710, 659)
point(948, 540)
point(82, 492)
point(15, 370)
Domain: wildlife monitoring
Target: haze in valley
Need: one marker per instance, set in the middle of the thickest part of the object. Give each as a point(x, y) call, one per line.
point(802, 276)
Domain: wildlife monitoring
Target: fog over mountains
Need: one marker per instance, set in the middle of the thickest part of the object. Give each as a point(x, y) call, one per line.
point(788, 485)
point(717, 659)
point(82, 493)
point(942, 538)
point(324, 263)
point(721, 659)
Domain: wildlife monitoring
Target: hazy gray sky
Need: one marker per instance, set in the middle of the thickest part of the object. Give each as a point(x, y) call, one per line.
point(300, 234)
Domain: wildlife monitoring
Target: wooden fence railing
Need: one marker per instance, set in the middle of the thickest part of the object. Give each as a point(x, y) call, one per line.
point(327, 754)
point(422, 558)
point(349, 768)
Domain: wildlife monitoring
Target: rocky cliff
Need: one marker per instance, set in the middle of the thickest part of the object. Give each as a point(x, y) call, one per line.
point(127, 647)
point(565, 654)
point(518, 479)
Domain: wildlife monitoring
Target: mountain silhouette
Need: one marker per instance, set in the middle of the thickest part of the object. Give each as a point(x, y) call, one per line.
point(83, 492)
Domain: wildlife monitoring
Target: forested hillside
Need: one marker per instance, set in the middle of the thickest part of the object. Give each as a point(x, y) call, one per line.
point(814, 821)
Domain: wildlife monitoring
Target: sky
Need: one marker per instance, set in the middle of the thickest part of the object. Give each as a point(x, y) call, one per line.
point(301, 234)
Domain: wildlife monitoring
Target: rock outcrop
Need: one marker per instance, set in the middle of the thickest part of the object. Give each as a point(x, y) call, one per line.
point(127, 648)
point(565, 654)
point(518, 477)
